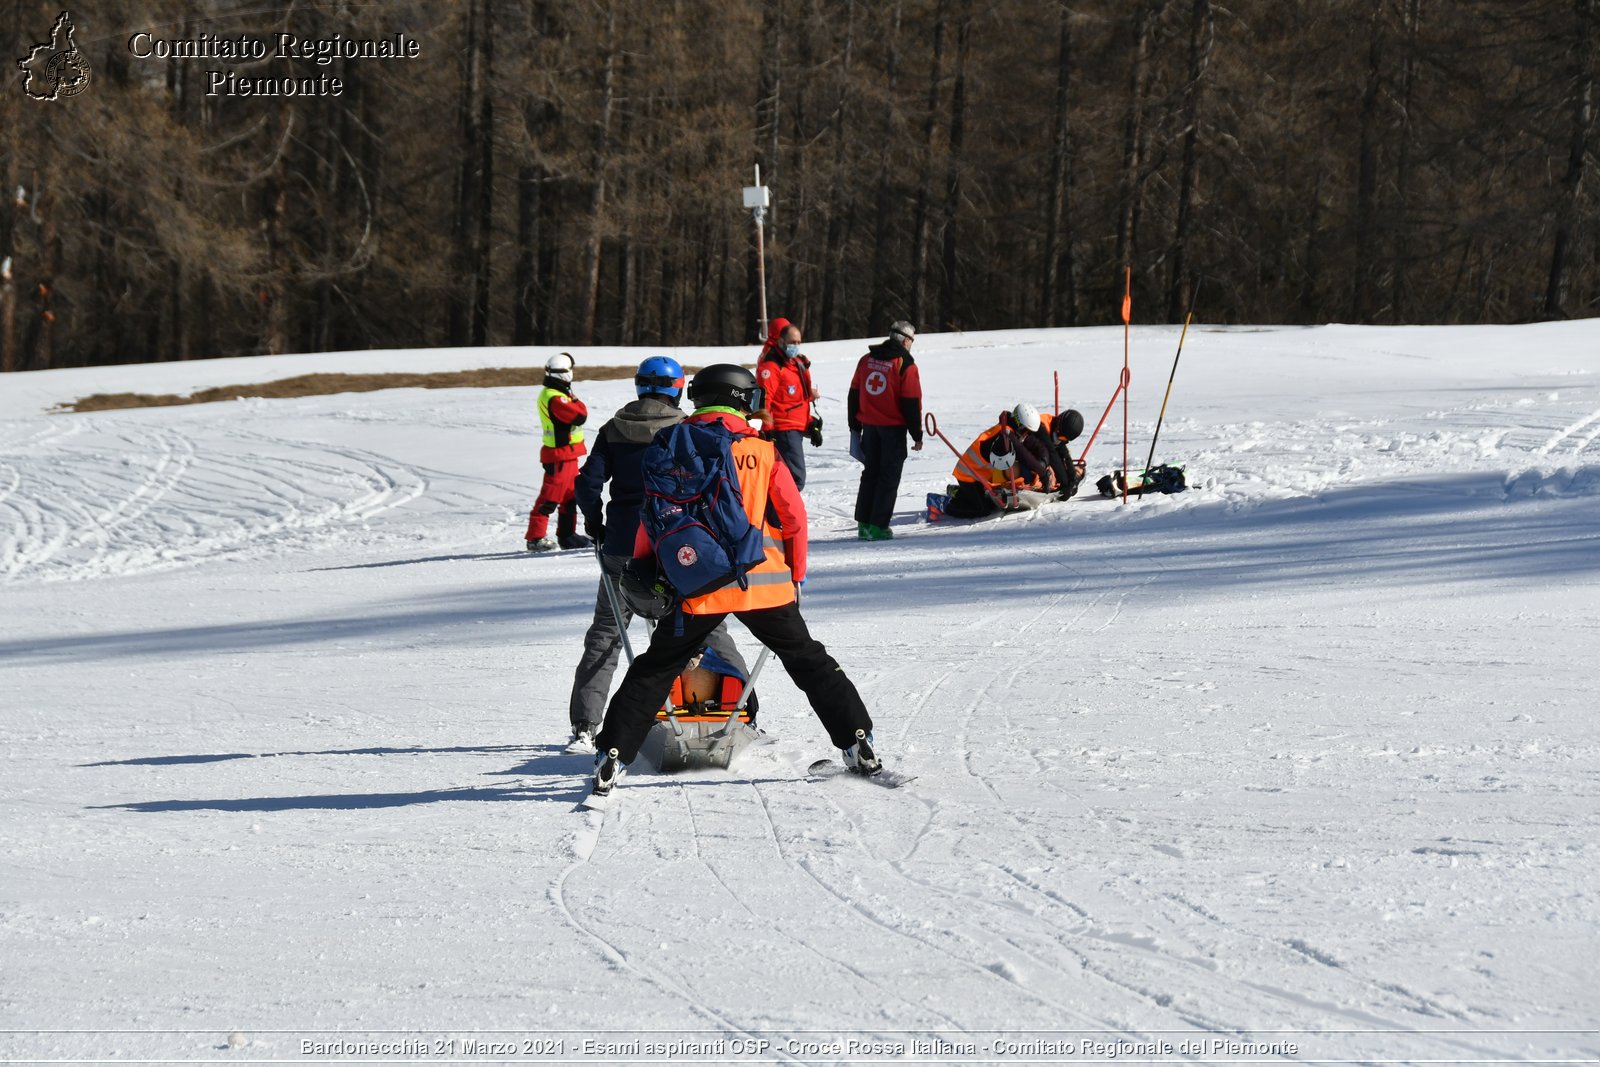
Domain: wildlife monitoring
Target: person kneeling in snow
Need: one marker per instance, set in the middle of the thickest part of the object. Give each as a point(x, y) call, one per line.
point(1018, 459)
point(767, 601)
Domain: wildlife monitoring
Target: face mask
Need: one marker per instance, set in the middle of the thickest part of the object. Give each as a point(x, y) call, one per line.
point(791, 350)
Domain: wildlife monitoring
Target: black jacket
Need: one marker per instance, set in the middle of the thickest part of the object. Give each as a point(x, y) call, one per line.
point(618, 456)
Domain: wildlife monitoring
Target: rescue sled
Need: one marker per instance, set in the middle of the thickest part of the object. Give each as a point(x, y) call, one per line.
point(703, 725)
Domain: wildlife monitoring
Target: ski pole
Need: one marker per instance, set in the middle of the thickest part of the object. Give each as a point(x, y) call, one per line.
point(749, 687)
point(1151, 458)
point(622, 629)
point(1057, 377)
point(932, 426)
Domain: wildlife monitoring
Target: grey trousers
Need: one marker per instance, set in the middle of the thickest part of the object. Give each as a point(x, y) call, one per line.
point(591, 683)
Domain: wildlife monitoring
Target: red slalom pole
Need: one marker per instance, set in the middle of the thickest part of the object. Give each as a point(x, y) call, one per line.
point(1103, 416)
point(1127, 319)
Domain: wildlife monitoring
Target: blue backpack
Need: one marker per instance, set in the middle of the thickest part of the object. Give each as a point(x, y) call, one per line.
point(693, 511)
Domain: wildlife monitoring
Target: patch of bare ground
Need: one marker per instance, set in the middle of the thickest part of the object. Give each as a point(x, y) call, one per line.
point(325, 384)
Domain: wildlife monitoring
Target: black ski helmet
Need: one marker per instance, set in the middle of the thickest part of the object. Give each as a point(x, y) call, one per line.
point(644, 592)
point(725, 385)
point(1068, 425)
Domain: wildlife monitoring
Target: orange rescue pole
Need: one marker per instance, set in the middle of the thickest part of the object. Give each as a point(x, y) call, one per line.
point(1127, 318)
point(1103, 416)
point(1057, 375)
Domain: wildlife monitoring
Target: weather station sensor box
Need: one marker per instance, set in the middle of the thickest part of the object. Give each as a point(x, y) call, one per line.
point(756, 196)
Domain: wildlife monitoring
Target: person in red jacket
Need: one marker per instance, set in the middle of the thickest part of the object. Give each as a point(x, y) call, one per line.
point(561, 417)
point(785, 377)
point(767, 603)
point(885, 404)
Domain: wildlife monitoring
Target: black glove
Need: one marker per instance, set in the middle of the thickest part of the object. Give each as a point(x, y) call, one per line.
point(814, 431)
point(595, 531)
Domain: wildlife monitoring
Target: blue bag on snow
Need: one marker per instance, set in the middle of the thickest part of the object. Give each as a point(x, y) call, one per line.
point(693, 511)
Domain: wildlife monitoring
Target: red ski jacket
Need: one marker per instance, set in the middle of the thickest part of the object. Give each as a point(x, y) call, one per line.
point(786, 382)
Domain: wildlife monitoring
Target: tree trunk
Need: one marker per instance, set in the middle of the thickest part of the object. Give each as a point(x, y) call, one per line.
point(878, 312)
point(1133, 132)
point(10, 215)
point(1412, 16)
point(1581, 103)
point(1367, 180)
point(837, 190)
point(483, 227)
point(1200, 41)
point(952, 183)
point(919, 228)
point(597, 196)
point(1055, 296)
point(274, 294)
point(459, 301)
point(525, 308)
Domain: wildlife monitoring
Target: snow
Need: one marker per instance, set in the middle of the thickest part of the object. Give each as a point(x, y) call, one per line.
point(1305, 754)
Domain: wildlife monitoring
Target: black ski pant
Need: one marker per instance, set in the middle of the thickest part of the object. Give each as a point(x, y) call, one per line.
point(970, 502)
point(883, 450)
point(603, 642)
point(679, 636)
point(791, 447)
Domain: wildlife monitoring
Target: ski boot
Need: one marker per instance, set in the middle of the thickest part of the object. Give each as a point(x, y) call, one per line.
point(878, 533)
point(582, 740)
point(574, 540)
point(608, 770)
point(860, 757)
point(543, 544)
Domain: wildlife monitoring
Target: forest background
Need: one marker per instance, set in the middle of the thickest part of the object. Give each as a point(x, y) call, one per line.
point(570, 172)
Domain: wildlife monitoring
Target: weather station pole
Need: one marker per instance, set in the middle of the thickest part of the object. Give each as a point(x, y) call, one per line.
point(757, 197)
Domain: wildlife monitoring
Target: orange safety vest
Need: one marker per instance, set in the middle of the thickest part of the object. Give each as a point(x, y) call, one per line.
point(770, 583)
point(974, 458)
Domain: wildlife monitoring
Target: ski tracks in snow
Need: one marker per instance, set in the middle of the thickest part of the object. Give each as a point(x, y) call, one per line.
point(118, 497)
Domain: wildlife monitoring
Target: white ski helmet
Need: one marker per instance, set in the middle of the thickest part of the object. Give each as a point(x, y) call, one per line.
point(559, 367)
point(1026, 416)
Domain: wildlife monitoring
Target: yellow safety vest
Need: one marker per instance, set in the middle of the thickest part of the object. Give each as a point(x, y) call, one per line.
point(546, 395)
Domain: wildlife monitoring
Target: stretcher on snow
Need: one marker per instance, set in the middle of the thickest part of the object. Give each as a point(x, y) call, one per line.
point(702, 724)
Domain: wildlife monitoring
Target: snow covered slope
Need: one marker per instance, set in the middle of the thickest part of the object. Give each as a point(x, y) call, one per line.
point(1306, 754)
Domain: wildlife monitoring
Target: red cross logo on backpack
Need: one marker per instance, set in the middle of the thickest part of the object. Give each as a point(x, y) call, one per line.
point(687, 556)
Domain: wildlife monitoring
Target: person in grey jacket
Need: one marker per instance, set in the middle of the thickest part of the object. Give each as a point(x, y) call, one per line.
point(617, 457)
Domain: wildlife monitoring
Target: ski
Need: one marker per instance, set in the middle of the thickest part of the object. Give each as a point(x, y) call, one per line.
point(829, 768)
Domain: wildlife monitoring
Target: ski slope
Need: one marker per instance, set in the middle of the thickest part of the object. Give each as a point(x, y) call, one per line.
point(1304, 755)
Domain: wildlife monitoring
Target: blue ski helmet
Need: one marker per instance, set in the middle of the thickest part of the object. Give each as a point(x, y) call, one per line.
point(660, 376)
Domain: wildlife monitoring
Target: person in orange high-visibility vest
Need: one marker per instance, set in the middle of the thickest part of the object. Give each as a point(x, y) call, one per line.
point(768, 602)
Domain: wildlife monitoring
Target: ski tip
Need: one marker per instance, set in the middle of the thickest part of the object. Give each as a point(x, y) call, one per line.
point(595, 802)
